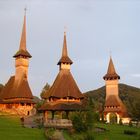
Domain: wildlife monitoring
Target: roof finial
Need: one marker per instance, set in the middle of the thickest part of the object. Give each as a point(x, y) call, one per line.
point(25, 9)
point(65, 30)
point(110, 53)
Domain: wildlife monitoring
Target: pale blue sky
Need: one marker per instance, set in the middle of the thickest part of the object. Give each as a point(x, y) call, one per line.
point(94, 27)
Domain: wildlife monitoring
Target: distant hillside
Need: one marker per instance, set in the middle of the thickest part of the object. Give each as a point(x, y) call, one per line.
point(1, 87)
point(129, 95)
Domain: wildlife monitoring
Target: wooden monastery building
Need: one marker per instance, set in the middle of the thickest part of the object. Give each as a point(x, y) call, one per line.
point(16, 96)
point(64, 95)
point(114, 109)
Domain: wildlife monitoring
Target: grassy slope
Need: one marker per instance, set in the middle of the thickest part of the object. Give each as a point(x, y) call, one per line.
point(10, 129)
point(115, 132)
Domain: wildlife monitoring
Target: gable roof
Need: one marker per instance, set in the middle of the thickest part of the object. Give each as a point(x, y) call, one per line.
point(64, 86)
point(111, 72)
point(13, 89)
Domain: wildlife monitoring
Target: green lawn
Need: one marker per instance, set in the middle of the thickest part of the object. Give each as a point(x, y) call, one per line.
point(10, 129)
point(114, 132)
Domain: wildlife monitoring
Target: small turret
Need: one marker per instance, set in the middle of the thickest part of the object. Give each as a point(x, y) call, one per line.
point(111, 72)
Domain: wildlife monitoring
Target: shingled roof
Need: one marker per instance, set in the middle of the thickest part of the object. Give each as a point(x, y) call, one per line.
point(113, 101)
point(64, 86)
point(22, 49)
point(111, 72)
point(114, 104)
point(61, 106)
point(13, 89)
point(65, 58)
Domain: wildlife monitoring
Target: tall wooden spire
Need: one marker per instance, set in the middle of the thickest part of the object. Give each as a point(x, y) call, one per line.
point(64, 51)
point(65, 58)
point(23, 36)
point(111, 72)
point(22, 48)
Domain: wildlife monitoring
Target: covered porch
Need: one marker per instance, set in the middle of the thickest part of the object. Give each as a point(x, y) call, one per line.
point(56, 114)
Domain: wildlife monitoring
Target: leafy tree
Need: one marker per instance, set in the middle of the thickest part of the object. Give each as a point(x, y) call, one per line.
point(84, 120)
point(89, 119)
point(135, 109)
point(78, 123)
point(44, 90)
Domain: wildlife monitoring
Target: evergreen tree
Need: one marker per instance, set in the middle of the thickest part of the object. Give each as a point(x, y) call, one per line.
point(44, 90)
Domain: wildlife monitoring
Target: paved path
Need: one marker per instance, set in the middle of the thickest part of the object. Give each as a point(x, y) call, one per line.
point(58, 135)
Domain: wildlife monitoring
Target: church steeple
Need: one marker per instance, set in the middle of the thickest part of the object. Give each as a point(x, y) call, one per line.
point(22, 56)
point(64, 87)
point(113, 103)
point(22, 48)
point(65, 58)
point(111, 72)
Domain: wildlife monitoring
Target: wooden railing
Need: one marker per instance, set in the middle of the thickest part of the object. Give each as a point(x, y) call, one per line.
point(58, 123)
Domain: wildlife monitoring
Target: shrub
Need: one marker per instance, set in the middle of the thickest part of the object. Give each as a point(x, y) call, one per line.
point(49, 133)
point(130, 132)
point(89, 119)
point(120, 122)
point(89, 136)
point(57, 135)
point(78, 123)
point(130, 123)
point(83, 121)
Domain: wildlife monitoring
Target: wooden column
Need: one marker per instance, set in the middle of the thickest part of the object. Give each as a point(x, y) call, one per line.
point(53, 114)
point(67, 114)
